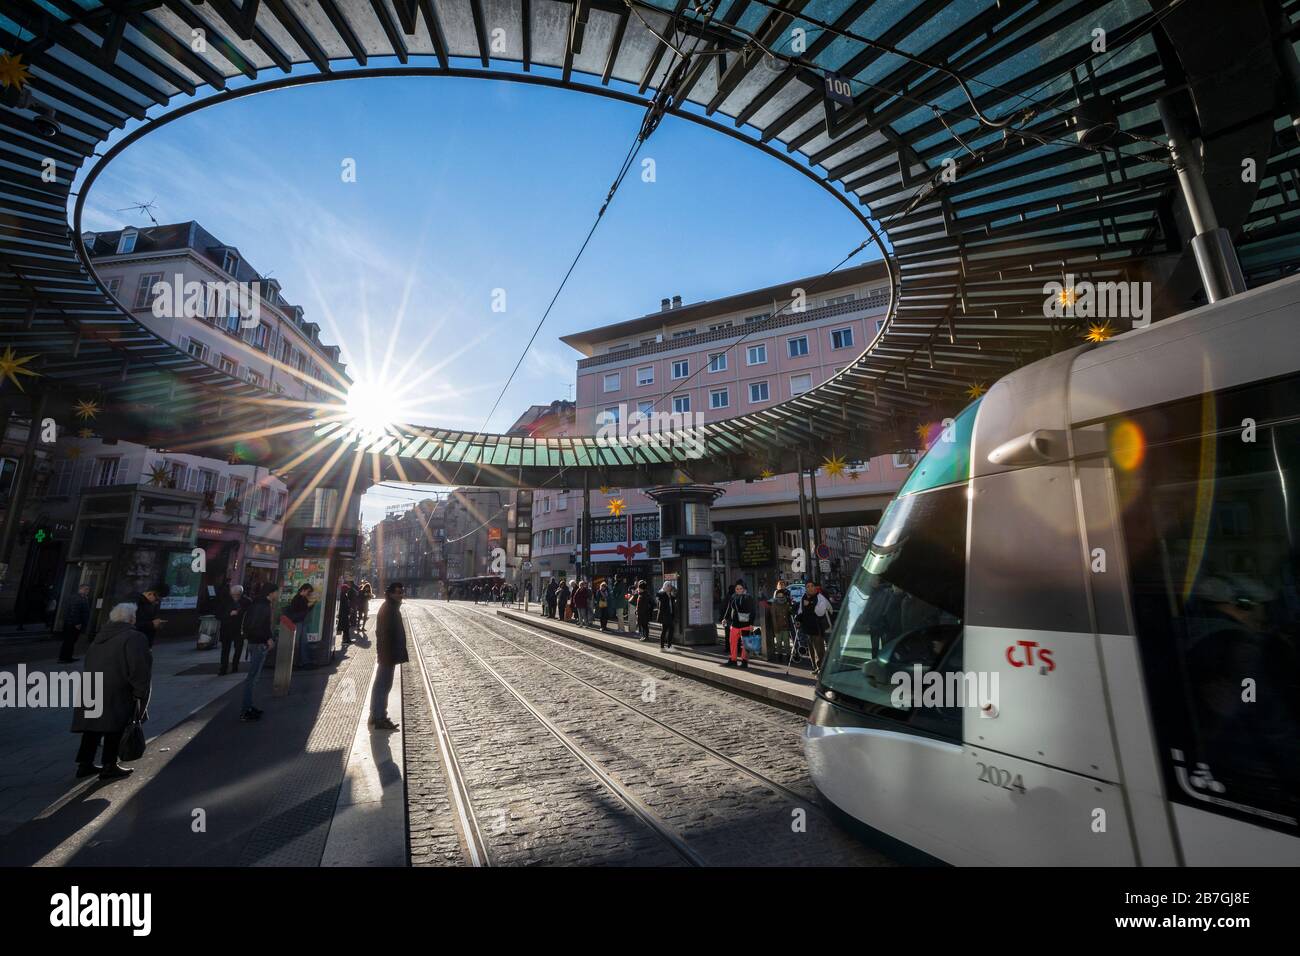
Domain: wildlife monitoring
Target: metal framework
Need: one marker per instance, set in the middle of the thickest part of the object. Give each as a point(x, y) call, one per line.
point(970, 141)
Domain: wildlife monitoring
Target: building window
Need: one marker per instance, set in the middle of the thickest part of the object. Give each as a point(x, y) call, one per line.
point(113, 285)
point(126, 244)
point(548, 506)
point(842, 338)
point(106, 471)
point(718, 398)
point(230, 262)
point(903, 461)
point(839, 299)
point(228, 365)
point(797, 346)
point(8, 471)
point(562, 502)
point(198, 350)
point(645, 375)
point(612, 380)
point(751, 319)
point(144, 289)
point(718, 362)
point(609, 416)
point(682, 333)
point(719, 327)
point(681, 368)
point(880, 324)
point(645, 408)
point(756, 355)
point(681, 403)
point(758, 392)
point(800, 383)
point(255, 377)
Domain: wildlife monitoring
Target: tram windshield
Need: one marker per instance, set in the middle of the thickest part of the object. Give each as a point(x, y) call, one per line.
point(904, 607)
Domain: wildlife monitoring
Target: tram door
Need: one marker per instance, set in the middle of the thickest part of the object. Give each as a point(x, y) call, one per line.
point(1209, 505)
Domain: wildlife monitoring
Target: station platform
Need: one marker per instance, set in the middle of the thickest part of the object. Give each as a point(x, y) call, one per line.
point(763, 680)
point(307, 785)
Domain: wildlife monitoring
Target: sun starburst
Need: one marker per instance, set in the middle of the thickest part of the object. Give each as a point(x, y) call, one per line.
point(615, 506)
point(1098, 332)
point(86, 409)
point(11, 366)
point(13, 71)
point(834, 465)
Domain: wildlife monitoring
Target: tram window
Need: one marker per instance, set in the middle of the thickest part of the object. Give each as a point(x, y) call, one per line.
point(1211, 525)
point(903, 609)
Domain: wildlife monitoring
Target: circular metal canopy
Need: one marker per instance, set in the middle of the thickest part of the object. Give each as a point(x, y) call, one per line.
point(965, 133)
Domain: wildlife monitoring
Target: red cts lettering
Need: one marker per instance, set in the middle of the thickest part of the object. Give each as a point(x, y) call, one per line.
point(1011, 660)
point(1045, 655)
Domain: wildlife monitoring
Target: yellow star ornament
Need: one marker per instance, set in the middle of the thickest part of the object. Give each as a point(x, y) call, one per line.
point(11, 366)
point(1098, 332)
point(834, 465)
point(766, 473)
point(86, 409)
point(604, 489)
point(13, 71)
point(923, 433)
point(85, 433)
point(976, 390)
point(615, 506)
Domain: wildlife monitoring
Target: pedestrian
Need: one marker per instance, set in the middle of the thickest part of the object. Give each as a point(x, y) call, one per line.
point(667, 613)
point(738, 619)
point(121, 659)
point(602, 604)
point(390, 650)
point(645, 609)
point(782, 610)
point(814, 621)
point(629, 599)
point(76, 621)
point(528, 593)
point(562, 595)
point(296, 614)
point(232, 606)
point(259, 624)
point(365, 595)
point(582, 603)
point(147, 621)
point(345, 612)
point(548, 598)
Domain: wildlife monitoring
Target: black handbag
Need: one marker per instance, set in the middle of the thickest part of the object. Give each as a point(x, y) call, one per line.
point(131, 746)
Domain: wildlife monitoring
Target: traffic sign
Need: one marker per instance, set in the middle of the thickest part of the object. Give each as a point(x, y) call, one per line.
point(823, 551)
point(825, 565)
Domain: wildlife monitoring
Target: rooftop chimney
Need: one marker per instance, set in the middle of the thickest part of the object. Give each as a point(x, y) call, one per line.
point(677, 302)
point(664, 305)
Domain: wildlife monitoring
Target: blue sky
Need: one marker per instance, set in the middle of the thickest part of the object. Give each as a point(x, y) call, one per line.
point(463, 187)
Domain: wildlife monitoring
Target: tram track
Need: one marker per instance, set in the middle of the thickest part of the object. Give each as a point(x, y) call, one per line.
point(774, 786)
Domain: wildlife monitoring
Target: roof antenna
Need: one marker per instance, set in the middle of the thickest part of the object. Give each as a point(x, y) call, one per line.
point(144, 207)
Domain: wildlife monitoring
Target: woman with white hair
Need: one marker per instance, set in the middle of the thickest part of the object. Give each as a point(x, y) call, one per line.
point(120, 656)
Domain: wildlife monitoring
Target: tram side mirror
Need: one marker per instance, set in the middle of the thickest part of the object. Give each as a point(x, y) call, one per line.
point(1032, 448)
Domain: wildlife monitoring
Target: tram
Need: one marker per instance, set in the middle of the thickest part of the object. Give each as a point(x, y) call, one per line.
point(1075, 638)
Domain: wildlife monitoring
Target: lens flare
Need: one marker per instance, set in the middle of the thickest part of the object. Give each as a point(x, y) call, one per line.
point(370, 408)
point(1128, 446)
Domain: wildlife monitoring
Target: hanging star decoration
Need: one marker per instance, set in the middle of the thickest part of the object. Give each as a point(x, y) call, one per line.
point(11, 366)
point(766, 473)
point(615, 506)
point(1098, 332)
point(86, 433)
point(976, 390)
point(86, 409)
point(854, 474)
point(1067, 297)
point(604, 489)
point(13, 71)
point(834, 465)
point(923, 432)
point(158, 475)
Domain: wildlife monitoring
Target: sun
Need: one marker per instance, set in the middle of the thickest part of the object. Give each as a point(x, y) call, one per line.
point(370, 408)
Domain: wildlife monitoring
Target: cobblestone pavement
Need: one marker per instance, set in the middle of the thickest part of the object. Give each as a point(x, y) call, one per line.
point(684, 764)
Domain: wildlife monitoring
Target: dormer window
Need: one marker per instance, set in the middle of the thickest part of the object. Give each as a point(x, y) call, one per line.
point(230, 262)
point(126, 242)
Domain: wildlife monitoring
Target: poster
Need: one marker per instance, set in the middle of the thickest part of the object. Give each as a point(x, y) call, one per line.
point(755, 547)
point(181, 582)
point(300, 571)
point(698, 587)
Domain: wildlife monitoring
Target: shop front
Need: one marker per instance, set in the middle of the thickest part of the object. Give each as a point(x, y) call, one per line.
point(261, 562)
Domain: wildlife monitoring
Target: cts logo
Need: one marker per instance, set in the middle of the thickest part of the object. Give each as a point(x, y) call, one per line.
point(1044, 656)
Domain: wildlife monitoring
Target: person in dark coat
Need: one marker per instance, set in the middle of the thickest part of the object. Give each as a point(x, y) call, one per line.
point(345, 611)
point(562, 594)
point(259, 631)
point(122, 663)
point(365, 594)
point(76, 621)
point(645, 609)
point(147, 621)
point(667, 616)
point(390, 650)
point(548, 598)
point(231, 608)
point(603, 599)
point(297, 612)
